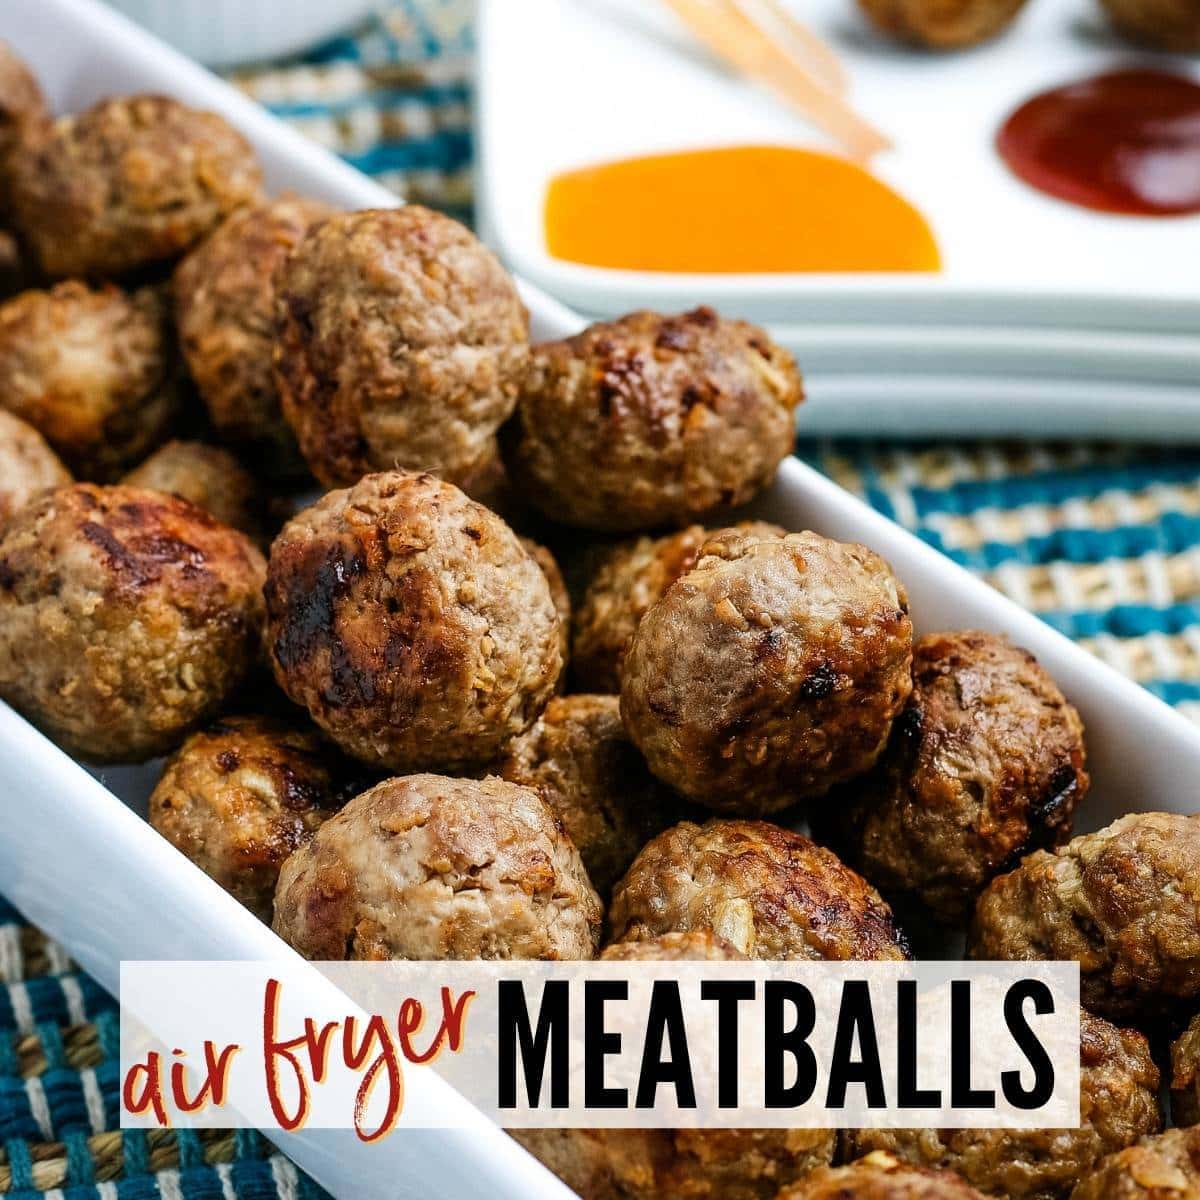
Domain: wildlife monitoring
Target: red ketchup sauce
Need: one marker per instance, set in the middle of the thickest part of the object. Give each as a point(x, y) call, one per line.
point(1124, 142)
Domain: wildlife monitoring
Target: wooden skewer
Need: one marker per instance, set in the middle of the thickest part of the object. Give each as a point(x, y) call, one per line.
point(802, 44)
point(732, 35)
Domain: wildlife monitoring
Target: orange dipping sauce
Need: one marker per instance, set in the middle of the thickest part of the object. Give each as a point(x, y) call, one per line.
point(745, 208)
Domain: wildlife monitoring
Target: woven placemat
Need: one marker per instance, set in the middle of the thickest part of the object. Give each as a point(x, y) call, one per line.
point(1101, 541)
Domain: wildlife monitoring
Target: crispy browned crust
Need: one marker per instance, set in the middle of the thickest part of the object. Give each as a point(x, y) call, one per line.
point(630, 578)
point(1123, 902)
point(28, 466)
point(425, 867)
point(769, 892)
point(985, 765)
point(411, 623)
point(93, 370)
point(23, 112)
point(880, 1176)
point(579, 757)
point(653, 420)
point(131, 182)
point(239, 796)
point(942, 24)
point(769, 672)
point(1163, 24)
point(1118, 1103)
point(1185, 1075)
point(126, 618)
point(683, 1164)
point(1165, 1167)
point(691, 945)
point(400, 341)
point(558, 593)
point(212, 479)
point(225, 309)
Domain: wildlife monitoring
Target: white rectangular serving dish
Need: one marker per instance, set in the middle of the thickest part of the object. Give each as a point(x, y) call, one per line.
point(85, 867)
point(568, 83)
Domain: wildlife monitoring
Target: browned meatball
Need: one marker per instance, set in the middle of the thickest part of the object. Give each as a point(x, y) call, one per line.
point(769, 672)
point(126, 618)
point(1165, 1167)
point(691, 945)
point(15, 272)
point(767, 891)
point(23, 112)
point(579, 757)
point(653, 420)
point(211, 478)
point(241, 795)
point(1118, 1103)
point(400, 341)
point(1185, 1075)
point(985, 764)
point(411, 623)
point(225, 308)
point(424, 867)
point(942, 24)
point(558, 593)
point(652, 1164)
point(880, 1176)
point(665, 1164)
point(632, 577)
point(1123, 902)
point(1163, 24)
point(131, 182)
point(92, 370)
point(28, 466)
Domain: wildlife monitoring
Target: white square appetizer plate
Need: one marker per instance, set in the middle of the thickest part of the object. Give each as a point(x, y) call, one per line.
point(78, 859)
point(570, 83)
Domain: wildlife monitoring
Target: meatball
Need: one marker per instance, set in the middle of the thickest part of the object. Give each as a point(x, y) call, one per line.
point(579, 757)
point(1123, 902)
point(1162, 24)
point(770, 671)
point(771, 893)
point(693, 945)
point(241, 795)
point(225, 309)
point(212, 479)
point(651, 1164)
point(984, 765)
point(1165, 1167)
point(23, 112)
point(1185, 1075)
point(28, 466)
point(653, 420)
point(558, 594)
point(411, 623)
point(942, 24)
point(126, 618)
point(130, 183)
point(632, 577)
point(400, 341)
point(880, 1176)
point(1118, 1103)
point(92, 370)
point(424, 867)
point(700, 1164)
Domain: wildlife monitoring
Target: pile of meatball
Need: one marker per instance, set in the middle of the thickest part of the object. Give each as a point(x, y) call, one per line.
point(954, 24)
point(397, 730)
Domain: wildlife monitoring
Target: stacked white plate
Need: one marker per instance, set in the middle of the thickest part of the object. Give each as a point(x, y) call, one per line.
point(1047, 320)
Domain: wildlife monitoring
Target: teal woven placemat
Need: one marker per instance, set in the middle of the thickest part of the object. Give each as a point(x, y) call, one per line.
point(1101, 541)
